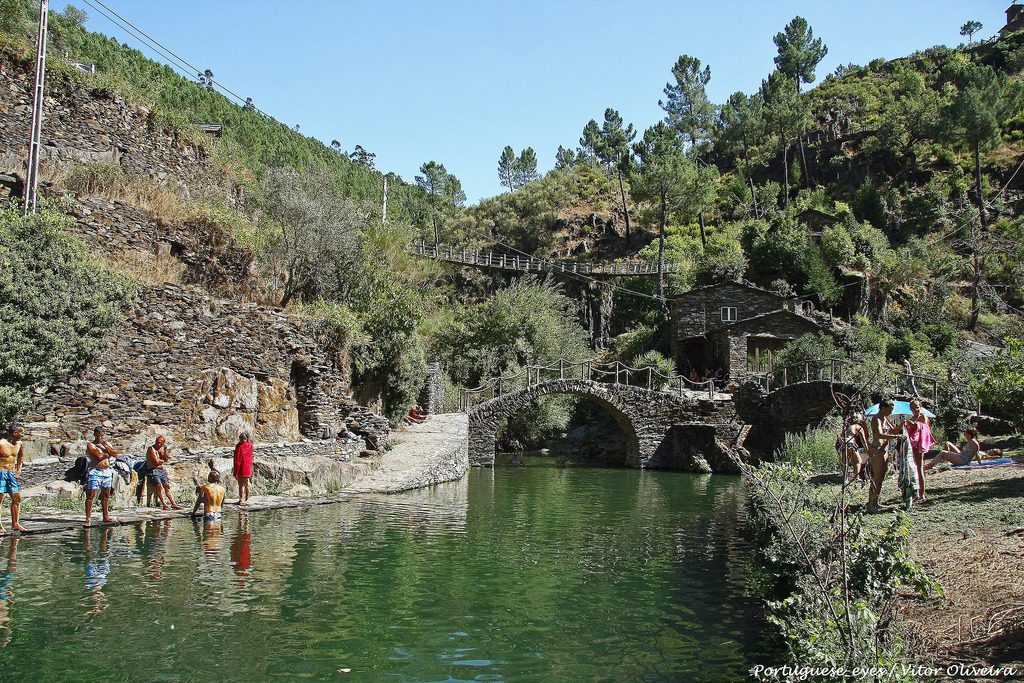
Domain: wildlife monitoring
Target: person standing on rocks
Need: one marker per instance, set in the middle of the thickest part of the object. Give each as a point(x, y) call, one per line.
point(11, 454)
point(242, 469)
point(100, 475)
point(156, 473)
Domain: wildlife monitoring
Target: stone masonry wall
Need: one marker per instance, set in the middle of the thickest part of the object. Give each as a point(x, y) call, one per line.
point(645, 416)
point(788, 409)
point(432, 396)
point(696, 312)
point(84, 124)
point(199, 370)
point(208, 256)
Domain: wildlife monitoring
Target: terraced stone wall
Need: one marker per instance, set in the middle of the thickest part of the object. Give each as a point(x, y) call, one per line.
point(199, 370)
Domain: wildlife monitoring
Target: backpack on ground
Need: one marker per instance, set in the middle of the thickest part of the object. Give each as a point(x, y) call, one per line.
point(79, 471)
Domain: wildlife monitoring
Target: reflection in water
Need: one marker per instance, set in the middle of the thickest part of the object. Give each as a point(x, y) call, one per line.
point(97, 569)
point(241, 552)
point(525, 573)
point(154, 543)
point(6, 591)
point(213, 538)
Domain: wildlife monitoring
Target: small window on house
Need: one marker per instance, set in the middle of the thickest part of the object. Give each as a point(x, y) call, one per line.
point(728, 314)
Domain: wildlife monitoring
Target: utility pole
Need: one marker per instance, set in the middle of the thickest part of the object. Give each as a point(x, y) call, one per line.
point(32, 180)
point(384, 204)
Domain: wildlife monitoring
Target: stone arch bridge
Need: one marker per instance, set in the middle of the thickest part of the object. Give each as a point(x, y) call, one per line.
point(665, 427)
point(799, 396)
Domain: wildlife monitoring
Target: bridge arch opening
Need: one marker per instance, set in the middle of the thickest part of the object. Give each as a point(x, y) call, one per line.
point(488, 419)
point(597, 432)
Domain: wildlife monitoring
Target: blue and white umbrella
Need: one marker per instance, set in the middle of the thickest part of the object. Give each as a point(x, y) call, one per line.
point(898, 408)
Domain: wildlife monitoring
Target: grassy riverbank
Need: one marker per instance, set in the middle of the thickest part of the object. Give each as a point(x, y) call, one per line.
point(938, 585)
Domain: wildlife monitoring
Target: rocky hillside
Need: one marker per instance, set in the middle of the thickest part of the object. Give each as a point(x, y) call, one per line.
point(193, 357)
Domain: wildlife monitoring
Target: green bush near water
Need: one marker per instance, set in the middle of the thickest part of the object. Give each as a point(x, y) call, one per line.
point(826, 575)
point(57, 305)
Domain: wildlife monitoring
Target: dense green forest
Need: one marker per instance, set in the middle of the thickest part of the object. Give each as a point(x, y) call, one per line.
point(911, 164)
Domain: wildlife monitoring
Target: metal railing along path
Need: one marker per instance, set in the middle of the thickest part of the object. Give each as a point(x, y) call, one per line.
point(617, 373)
point(838, 370)
point(530, 264)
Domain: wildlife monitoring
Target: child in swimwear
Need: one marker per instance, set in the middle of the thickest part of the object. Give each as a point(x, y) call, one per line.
point(211, 497)
point(853, 450)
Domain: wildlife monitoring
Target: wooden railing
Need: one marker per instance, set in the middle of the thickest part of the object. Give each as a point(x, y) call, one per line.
point(840, 370)
point(527, 264)
point(605, 373)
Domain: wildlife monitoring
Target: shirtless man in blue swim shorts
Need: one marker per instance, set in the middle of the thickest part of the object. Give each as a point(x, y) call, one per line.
point(11, 454)
point(100, 475)
point(156, 473)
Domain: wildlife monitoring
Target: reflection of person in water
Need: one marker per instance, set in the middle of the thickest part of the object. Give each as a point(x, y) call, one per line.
point(213, 538)
point(97, 567)
point(6, 594)
point(160, 529)
point(241, 558)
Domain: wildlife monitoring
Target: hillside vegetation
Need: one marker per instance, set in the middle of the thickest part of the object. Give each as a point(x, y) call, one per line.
point(910, 164)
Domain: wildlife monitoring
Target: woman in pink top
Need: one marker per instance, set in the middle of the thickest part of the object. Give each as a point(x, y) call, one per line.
point(242, 469)
point(920, 432)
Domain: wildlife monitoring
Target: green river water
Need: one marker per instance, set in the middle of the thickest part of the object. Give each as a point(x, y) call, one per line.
point(513, 574)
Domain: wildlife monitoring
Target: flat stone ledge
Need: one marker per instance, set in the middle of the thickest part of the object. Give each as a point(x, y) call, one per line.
point(430, 453)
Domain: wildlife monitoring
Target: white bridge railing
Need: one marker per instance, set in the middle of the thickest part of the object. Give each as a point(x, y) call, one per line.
point(605, 373)
point(526, 264)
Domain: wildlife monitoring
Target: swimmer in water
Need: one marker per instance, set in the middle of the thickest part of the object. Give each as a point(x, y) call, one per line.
point(211, 496)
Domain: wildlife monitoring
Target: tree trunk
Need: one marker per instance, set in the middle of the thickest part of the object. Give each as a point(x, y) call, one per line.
point(785, 167)
point(703, 233)
point(750, 178)
point(981, 195)
point(436, 240)
point(972, 321)
point(661, 251)
point(803, 161)
point(625, 209)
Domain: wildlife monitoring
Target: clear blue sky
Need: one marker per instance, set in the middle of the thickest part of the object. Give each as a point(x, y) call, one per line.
point(457, 81)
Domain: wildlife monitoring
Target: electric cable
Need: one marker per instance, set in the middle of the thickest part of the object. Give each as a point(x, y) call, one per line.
point(181, 63)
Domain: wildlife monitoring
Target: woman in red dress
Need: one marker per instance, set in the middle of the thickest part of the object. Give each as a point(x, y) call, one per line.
point(242, 469)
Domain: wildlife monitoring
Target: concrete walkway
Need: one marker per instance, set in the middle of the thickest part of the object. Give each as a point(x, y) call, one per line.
point(422, 455)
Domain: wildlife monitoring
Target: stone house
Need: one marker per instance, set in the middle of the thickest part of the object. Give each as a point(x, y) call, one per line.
point(1014, 19)
point(732, 325)
point(815, 221)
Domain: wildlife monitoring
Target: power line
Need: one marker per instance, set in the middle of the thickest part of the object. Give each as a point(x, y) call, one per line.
point(178, 61)
point(185, 65)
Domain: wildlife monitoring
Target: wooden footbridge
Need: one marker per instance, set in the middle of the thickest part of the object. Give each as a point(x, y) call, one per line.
point(499, 260)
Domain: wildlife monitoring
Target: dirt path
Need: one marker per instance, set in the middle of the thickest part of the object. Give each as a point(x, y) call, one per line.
point(969, 536)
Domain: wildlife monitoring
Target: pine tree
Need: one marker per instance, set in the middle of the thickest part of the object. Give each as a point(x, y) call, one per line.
point(526, 167)
point(663, 174)
point(507, 168)
point(686, 103)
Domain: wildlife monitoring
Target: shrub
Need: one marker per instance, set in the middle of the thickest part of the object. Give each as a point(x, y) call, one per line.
point(814, 449)
point(57, 305)
point(837, 246)
point(661, 365)
point(1002, 383)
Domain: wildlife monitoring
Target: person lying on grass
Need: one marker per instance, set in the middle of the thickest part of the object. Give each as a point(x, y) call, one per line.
point(965, 455)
